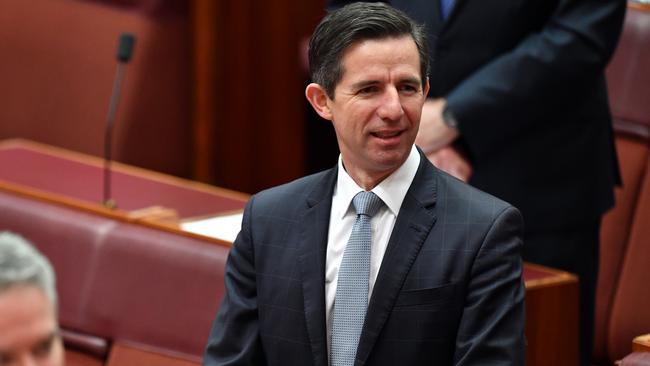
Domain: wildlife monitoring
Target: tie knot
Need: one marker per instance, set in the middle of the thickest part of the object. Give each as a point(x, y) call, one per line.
point(367, 203)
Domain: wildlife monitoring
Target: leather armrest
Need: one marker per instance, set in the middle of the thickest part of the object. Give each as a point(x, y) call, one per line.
point(85, 343)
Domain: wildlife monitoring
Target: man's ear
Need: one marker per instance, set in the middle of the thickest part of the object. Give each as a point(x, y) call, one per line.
point(318, 99)
point(426, 87)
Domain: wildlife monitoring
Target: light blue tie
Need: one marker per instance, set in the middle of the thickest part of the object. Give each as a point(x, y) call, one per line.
point(445, 7)
point(351, 299)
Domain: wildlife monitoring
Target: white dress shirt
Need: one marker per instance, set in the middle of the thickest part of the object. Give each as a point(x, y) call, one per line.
point(392, 191)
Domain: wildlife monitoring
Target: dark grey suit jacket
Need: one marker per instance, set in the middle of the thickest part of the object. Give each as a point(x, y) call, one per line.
point(449, 291)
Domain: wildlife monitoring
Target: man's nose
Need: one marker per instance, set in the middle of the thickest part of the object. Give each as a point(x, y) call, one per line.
point(390, 107)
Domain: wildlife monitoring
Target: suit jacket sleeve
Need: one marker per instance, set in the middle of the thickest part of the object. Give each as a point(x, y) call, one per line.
point(491, 330)
point(567, 55)
point(234, 339)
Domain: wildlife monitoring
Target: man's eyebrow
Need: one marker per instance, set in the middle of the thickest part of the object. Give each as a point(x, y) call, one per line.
point(364, 83)
point(410, 79)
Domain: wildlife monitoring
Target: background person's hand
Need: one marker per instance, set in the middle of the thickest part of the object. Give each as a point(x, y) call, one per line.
point(448, 159)
point(434, 134)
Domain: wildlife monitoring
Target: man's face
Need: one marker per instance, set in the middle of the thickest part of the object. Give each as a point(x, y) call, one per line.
point(377, 105)
point(28, 328)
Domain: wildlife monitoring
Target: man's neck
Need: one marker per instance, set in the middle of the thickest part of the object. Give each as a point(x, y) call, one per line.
point(366, 180)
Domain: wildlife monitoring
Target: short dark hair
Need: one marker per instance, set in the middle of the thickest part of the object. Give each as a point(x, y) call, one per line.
point(353, 23)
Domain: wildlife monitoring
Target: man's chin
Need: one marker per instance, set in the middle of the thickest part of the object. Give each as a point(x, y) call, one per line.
point(389, 162)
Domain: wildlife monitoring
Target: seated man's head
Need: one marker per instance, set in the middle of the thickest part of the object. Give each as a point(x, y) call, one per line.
point(368, 63)
point(29, 332)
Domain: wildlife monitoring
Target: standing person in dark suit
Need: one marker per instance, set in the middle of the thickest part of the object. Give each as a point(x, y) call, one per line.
point(519, 87)
point(383, 259)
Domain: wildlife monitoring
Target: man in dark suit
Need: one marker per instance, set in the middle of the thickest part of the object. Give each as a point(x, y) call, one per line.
point(519, 87)
point(432, 276)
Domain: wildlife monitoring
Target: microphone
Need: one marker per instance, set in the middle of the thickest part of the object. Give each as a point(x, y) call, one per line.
point(124, 53)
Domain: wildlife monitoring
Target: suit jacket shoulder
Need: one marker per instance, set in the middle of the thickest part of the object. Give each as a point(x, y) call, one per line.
point(290, 196)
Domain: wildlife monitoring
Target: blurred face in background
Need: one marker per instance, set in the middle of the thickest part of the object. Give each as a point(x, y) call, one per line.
point(29, 332)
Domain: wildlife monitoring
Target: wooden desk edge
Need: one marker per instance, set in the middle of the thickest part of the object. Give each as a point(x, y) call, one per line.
point(557, 277)
point(641, 343)
point(98, 209)
point(638, 6)
point(121, 168)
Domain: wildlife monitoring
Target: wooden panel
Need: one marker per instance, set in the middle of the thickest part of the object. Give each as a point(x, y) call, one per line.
point(551, 317)
point(205, 97)
point(249, 126)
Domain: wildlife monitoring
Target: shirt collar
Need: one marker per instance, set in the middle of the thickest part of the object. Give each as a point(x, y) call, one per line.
point(391, 190)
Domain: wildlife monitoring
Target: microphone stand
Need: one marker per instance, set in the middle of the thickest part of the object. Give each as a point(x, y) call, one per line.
point(108, 201)
point(124, 52)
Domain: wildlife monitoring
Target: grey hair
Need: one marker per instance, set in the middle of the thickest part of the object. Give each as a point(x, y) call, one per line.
point(22, 264)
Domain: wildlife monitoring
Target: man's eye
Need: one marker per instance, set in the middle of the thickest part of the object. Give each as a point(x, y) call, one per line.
point(368, 90)
point(408, 88)
point(43, 348)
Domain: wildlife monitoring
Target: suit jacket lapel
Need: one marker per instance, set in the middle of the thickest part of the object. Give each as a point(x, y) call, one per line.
point(413, 224)
point(311, 258)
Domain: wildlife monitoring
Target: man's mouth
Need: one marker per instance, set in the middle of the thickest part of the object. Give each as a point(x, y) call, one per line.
point(386, 134)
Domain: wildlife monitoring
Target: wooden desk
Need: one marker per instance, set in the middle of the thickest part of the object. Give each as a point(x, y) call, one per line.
point(551, 316)
point(75, 180)
point(66, 178)
point(641, 343)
